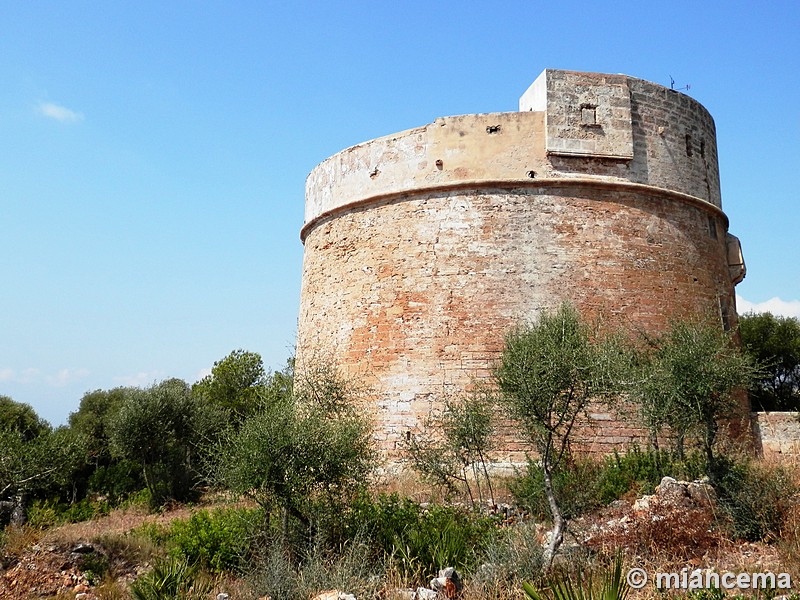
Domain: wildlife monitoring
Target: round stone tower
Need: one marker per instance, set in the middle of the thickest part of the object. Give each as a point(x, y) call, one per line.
point(424, 247)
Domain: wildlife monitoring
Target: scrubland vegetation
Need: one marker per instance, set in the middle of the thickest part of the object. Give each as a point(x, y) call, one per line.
point(264, 484)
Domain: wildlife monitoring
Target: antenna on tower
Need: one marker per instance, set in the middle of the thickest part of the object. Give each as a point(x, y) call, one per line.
point(672, 85)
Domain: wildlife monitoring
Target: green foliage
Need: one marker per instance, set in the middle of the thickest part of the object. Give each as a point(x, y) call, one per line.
point(154, 532)
point(612, 586)
point(236, 384)
point(758, 499)
point(310, 444)
point(574, 484)
point(41, 466)
point(21, 418)
point(162, 428)
point(97, 410)
point(688, 380)
point(141, 497)
point(774, 342)
point(49, 513)
point(584, 484)
point(116, 481)
point(172, 579)
point(640, 471)
point(35, 460)
point(454, 447)
point(94, 567)
point(218, 540)
point(420, 540)
point(548, 374)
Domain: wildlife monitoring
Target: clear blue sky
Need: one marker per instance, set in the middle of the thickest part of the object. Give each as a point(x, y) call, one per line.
point(153, 155)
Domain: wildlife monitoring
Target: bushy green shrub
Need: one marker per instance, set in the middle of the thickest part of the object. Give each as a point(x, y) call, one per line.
point(141, 498)
point(574, 484)
point(420, 539)
point(94, 567)
point(585, 484)
point(116, 481)
point(49, 513)
point(757, 498)
point(154, 532)
point(173, 579)
point(218, 540)
point(640, 471)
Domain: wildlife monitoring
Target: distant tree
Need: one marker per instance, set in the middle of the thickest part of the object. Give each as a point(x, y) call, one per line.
point(162, 428)
point(103, 473)
point(36, 467)
point(66, 450)
point(548, 374)
point(96, 411)
point(688, 381)
point(236, 383)
point(774, 342)
point(20, 417)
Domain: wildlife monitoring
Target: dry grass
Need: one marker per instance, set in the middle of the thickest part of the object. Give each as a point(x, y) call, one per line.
point(111, 589)
point(17, 539)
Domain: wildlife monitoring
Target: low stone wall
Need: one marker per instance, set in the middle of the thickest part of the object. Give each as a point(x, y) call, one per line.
point(777, 433)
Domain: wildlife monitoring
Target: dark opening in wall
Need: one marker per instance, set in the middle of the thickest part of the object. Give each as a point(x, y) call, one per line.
point(712, 227)
point(725, 313)
point(688, 145)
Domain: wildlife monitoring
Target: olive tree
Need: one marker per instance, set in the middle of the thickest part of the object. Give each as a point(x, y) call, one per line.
point(37, 467)
point(307, 442)
point(690, 379)
point(22, 418)
point(453, 449)
point(163, 428)
point(548, 374)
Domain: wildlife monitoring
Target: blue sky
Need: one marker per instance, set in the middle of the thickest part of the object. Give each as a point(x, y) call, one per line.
point(153, 155)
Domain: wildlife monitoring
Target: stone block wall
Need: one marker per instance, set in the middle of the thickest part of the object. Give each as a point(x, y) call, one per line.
point(423, 248)
point(777, 433)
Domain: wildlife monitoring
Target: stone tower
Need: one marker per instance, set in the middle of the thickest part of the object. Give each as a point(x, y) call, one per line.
point(422, 248)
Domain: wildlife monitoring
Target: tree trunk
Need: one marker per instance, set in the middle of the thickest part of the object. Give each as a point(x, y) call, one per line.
point(680, 438)
point(557, 533)
point(285, 526)
point(711, 436)
point(18, 516)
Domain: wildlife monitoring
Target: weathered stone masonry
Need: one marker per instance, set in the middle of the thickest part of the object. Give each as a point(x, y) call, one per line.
point(424, 247)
